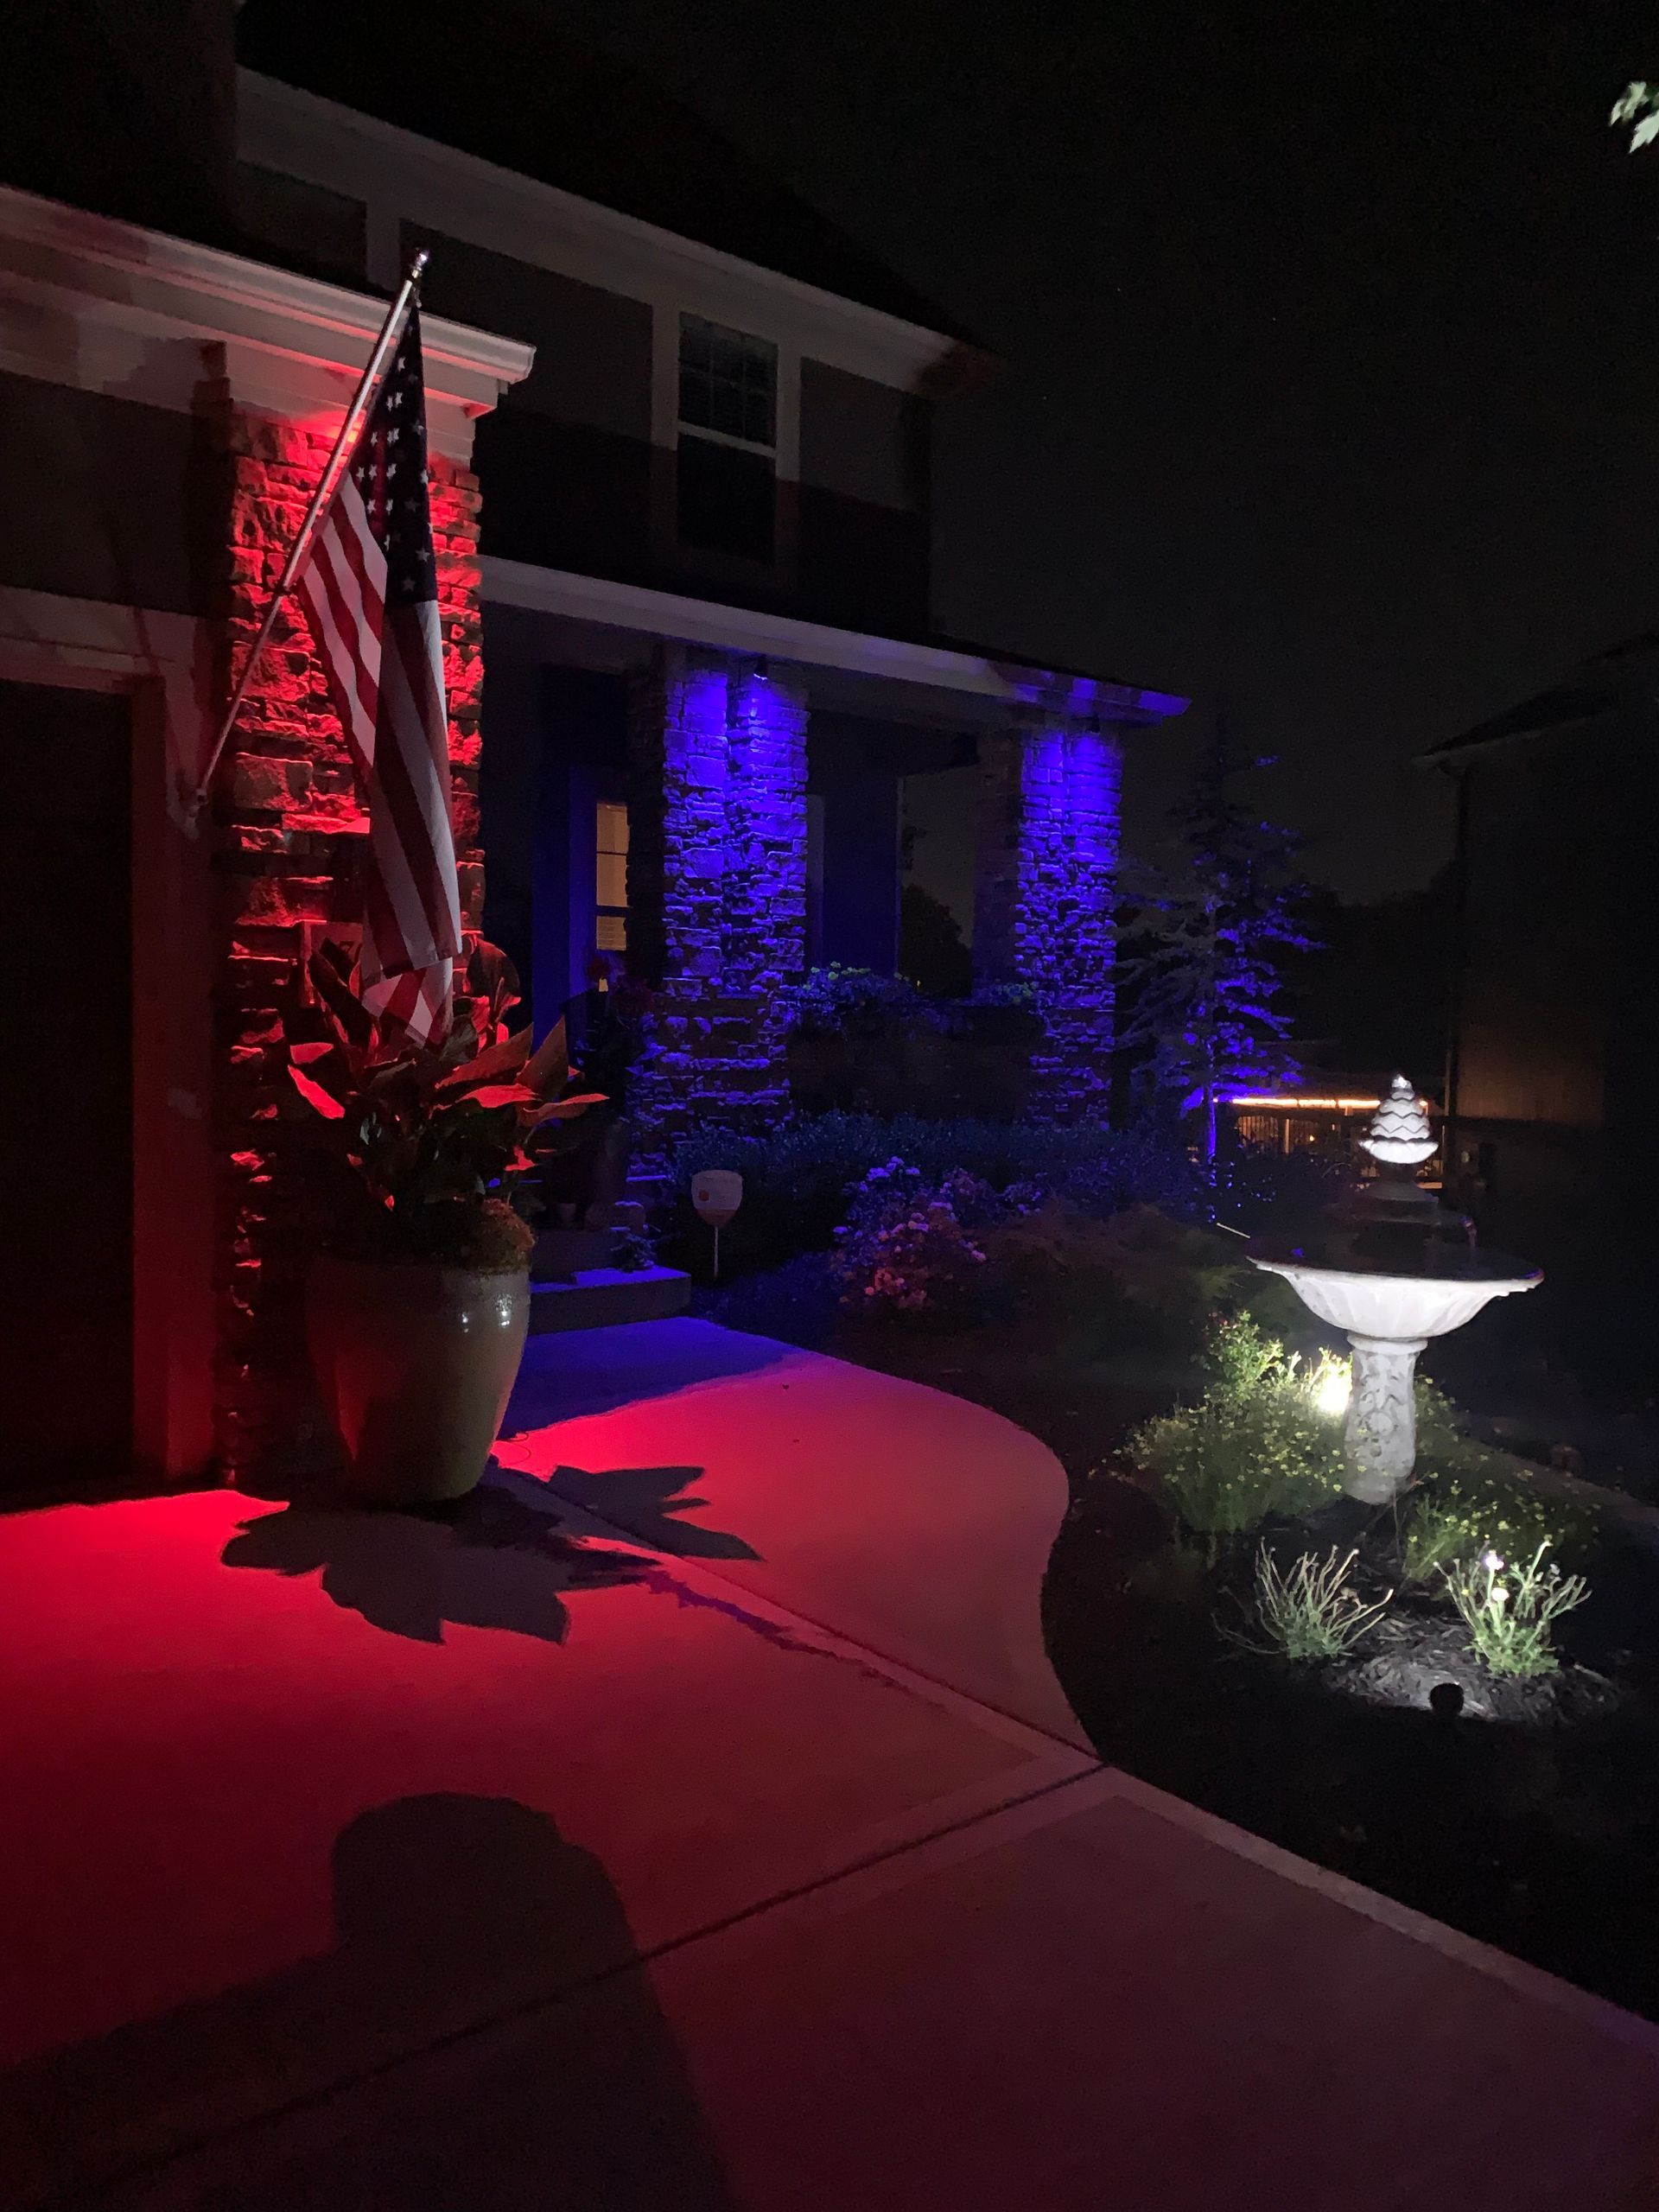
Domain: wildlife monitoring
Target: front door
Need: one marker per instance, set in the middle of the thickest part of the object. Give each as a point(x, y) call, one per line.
point(65, 1091)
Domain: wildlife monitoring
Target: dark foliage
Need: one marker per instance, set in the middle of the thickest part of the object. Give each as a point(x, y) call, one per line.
point(931, 952)
point(1208, 939)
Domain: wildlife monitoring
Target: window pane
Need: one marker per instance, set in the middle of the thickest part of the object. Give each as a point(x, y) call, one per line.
point(613, 825)
point(757, 417)
point(303, 225)
point(612, 882)
point(727, 382)
point(611, 933)
point(726, 408)
point(725, 499)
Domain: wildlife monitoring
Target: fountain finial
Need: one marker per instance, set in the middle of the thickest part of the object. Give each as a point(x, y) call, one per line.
point(1399, 1135)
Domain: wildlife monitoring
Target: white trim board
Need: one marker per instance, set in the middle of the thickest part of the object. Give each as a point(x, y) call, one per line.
point(650, 614)
point(399, 176)
point(104, 306)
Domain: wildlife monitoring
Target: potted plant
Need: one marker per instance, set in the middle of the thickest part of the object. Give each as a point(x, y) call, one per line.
point(417, 1309)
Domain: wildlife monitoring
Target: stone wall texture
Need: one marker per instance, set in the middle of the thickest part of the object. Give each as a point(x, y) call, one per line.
point(716, 883)
point(1045, 884)
point(287, 830)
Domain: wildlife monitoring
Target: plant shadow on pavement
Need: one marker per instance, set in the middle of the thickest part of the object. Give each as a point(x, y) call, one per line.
point(483, 2032)
point(503, 1557)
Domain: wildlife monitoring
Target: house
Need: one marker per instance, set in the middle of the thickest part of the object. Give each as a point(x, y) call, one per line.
point(706, 542)
point(701, 597)
point(166, 402)
point(1555, 1019)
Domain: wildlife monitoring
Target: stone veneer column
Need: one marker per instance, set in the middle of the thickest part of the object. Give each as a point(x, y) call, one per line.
point(287, 830)
point(716, 883)
point(1046, 882)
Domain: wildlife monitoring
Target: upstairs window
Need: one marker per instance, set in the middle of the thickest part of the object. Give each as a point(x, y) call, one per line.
point(610, 877)
point(727, 441)
point(302, 226)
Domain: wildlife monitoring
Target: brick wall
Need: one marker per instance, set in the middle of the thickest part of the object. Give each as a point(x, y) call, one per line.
point(716, 882)
point(287, 830)
point(1046, 882)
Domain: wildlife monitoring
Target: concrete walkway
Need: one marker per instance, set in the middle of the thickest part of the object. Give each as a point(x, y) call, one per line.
point(359, 1862)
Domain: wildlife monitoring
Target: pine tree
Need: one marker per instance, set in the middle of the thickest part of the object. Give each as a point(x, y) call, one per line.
point(1215, 928)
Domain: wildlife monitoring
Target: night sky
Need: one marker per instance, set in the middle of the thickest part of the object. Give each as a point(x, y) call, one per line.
point(1332, 336)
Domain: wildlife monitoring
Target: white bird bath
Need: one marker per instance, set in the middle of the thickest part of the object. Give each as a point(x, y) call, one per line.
point(1388, 1318)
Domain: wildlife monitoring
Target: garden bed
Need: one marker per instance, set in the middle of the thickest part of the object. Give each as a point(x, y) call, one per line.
point(1522, 1809)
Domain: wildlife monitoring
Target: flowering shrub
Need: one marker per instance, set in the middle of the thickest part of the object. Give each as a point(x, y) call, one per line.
point(1257, 1442)
point(1472, 1500)
point(909, 1247)
point(1510, 1610)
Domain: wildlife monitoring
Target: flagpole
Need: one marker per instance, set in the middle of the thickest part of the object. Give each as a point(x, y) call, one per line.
point(362, 399)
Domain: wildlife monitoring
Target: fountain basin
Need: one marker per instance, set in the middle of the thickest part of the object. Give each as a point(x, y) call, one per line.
point(1402, 1306)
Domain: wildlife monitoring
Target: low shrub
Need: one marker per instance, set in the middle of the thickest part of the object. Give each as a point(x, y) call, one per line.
point(840, 1001)
point(1313, 1611)
point(1139, 1257)
point(1255, 1443)
point(1253, 1189)
point(845, 1001)
point(1510, 1610)
point(795, 1176)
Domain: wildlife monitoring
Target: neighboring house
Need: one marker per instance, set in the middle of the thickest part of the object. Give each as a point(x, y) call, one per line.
point(706, 532)
point(1555, 1023)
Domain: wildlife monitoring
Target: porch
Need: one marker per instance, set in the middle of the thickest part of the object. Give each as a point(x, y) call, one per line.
point(714, 796)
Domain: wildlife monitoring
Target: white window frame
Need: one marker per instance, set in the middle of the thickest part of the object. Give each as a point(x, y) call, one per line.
point(784, 453)
point(601, 911)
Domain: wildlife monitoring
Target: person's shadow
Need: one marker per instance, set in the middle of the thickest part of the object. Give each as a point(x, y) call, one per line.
point(501, 1557)
point(455, 1915)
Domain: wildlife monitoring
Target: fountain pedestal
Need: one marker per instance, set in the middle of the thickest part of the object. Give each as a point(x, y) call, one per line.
point(1380, 1436)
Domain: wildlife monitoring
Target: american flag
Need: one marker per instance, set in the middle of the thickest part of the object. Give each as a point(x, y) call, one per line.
point(370, 587)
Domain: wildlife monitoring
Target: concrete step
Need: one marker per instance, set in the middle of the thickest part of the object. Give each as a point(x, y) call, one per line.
point(600, 1297)
point(565, 1251)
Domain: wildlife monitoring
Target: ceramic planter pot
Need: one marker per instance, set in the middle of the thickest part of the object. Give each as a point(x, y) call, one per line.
point(415, 1365)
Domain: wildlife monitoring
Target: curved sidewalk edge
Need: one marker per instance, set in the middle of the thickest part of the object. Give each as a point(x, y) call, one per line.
point(915, 1523)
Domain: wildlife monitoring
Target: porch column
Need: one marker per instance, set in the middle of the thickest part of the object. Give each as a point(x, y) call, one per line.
point(288, 829)
point(716, 882)
point(1046, 881)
